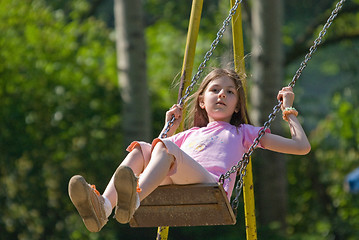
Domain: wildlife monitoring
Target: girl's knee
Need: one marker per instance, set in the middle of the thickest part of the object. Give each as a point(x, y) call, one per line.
point(136, 154)
point(135, 160)
point(161, 149)
point(137, 151)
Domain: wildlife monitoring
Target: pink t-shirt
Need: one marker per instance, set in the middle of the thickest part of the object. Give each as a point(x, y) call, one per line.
point(217, 147)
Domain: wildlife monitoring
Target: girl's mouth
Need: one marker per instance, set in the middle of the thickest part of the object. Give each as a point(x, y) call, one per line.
point(221, 103)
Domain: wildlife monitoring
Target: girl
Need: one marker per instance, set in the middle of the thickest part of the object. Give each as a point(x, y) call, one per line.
point(201, 154)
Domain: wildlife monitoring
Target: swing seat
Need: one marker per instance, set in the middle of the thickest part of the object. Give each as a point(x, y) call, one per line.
point(185, 205)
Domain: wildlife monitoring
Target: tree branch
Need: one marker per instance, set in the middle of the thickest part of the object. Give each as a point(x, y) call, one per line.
point(304, 42)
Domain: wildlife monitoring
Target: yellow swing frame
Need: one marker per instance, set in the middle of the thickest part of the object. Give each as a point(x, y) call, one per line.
point(187, 67)
point(237, 33)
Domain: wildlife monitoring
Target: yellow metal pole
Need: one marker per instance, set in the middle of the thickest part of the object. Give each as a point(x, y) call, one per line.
point(249, 205)
point(237, 35)
point(248, 190)
point(190, 50)
point(162, 233)
point(187, 67)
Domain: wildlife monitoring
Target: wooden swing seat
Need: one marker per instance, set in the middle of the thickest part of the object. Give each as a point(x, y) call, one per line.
point(185, 205)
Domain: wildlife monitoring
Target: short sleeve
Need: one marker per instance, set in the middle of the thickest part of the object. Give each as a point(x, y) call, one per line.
point(180, 137)
point(250, 133)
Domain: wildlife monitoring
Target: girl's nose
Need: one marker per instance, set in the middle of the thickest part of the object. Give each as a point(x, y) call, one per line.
point(222, 94)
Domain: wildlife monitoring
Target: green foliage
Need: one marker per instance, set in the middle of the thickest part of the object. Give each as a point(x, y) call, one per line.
point(59, 116)
point(163, 79)
point(318, 180)
point(177, 13)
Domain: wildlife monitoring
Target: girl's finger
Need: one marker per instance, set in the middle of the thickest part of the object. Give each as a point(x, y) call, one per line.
point(280, 96)
point(176, 106)
point(287, 89)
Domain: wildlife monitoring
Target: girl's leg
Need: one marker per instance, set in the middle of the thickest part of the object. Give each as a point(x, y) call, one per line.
point(93, 207)
point(136, 162)
point(157, 170)
point(125, 182)
point(155, 173)
point(188, 171)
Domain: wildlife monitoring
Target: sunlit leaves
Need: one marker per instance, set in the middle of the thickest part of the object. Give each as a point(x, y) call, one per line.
point(59, 113)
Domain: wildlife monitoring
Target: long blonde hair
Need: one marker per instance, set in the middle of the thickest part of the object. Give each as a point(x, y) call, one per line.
point(198, 117)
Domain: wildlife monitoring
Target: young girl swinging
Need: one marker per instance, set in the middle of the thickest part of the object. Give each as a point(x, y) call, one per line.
point(200, 154)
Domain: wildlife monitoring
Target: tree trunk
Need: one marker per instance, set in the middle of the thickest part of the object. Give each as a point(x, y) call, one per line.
point(131, 64)
point(267, 68)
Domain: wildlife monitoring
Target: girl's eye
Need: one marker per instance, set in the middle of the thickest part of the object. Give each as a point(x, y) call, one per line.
point(230, 92)
point(215, 90)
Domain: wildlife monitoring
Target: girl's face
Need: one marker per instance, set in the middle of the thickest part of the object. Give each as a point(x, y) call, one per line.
point(220, 99)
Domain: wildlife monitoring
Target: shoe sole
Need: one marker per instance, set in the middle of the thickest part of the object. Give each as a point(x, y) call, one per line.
point(80, 197)
point(125, 184)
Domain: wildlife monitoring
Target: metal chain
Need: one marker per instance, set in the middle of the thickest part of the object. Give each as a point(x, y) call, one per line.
point(241, 166)
point(203, 65)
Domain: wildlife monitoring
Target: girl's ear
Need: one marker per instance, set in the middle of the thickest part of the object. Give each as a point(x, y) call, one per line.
point(200, 101)
point(236, 110)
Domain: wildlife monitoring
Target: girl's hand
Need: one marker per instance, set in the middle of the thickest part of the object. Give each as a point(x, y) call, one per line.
point(176, 111)
point(286, 96)
point(298, 143)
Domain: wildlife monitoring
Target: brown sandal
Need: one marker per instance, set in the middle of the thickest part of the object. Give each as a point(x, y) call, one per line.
point(88, 202)
point(126, 188)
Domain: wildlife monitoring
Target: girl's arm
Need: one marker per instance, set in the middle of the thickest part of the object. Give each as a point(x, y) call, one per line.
point(175, 111)
point(298, 143)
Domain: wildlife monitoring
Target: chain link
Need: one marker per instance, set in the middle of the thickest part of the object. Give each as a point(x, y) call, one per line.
point(203, 65)
point(242, 164)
